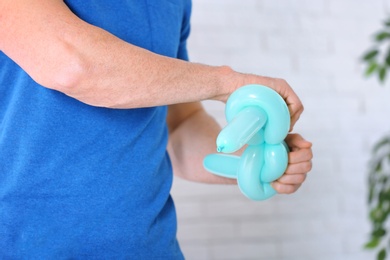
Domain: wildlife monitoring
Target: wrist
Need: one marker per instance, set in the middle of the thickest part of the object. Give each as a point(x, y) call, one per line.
point(231, 80)
point(227, 82)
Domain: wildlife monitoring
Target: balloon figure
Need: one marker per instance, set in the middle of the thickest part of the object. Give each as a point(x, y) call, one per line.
point(258, 117)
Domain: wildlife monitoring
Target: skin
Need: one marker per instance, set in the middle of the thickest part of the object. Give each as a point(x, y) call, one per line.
point(62, 52)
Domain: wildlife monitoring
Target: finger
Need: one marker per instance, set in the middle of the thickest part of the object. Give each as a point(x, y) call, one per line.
point(285, 188)
point(302, 155)
point(295, 113)
point(297, 141)
point(294, 104)
point(298, 168)
point(292, 179)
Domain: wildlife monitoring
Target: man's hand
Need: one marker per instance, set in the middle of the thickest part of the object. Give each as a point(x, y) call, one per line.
point(299, 164)
point(293, 102)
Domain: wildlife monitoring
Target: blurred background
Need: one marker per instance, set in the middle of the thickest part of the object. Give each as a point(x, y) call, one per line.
point(316, 45)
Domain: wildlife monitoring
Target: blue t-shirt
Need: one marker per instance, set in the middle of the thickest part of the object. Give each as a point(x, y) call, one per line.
point(78, 181)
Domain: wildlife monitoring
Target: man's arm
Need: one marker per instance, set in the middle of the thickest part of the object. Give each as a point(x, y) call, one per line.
point(192, 136)
point(60, 51)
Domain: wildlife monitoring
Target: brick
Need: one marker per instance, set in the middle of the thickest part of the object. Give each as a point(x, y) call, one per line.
point(321, 65)
point(288, 228)
point(363, 255)
point(298, 43)
point(206, 231)
point(359, 8)
point(233, 41)
point(189, 210)
point(261, 63)
point(238, 208)
point(323, 246)
point(297, 6)
point(245, 250)
point(312, 206)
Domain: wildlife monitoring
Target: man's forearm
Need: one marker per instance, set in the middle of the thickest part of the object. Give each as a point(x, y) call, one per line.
point(189, 143)
point(62, 52)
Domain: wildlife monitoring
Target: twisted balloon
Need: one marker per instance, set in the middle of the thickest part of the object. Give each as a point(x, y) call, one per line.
point(259, 117)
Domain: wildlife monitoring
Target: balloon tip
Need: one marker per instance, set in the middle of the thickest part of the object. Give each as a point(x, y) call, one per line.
point(219, 149)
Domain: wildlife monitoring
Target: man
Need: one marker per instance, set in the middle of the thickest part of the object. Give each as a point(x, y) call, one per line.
point(85, 88)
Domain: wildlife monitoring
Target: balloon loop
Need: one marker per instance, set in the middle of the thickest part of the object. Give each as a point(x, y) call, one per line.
point(258, 117)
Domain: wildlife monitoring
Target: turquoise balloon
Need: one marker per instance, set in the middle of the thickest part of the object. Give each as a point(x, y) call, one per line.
point(234, 135)
point(257, 116)
point(275, 162)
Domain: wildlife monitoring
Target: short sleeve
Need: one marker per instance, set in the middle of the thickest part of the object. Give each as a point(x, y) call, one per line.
point(185, 32)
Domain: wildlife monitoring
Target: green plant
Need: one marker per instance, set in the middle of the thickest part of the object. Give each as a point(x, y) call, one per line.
point(377, 60)
point(379, 197)
point(378, 57)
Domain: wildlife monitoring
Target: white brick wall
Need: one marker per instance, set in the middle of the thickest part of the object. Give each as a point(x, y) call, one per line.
point(315, 45)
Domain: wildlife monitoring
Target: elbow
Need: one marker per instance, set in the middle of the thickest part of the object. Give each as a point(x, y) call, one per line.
point(75, 77)
point(65, 72)
point(69, 76)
